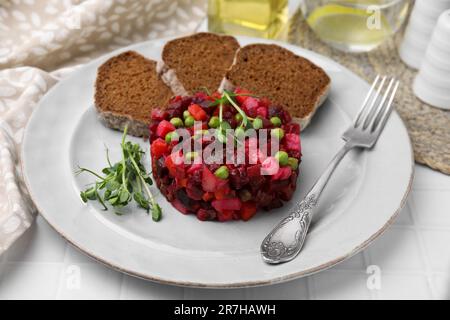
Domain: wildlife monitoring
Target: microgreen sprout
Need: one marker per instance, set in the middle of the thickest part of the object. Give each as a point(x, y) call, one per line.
point(123, 182)
point(228, 98)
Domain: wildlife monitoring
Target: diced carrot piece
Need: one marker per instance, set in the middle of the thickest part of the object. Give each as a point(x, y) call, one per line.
point(182, 182)
point(158, 148)
point(208, 196)
point(221, 194)
point(197, 112)
point(225, 215)
point(248, 210)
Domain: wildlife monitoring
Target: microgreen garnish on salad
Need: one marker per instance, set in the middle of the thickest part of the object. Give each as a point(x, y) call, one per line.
point(123, 182)
point(228, 97)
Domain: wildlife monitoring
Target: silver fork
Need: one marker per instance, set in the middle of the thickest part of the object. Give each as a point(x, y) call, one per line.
point(286, 240)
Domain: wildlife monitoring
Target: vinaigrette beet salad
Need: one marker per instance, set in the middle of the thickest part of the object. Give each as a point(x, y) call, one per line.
point(224, 156)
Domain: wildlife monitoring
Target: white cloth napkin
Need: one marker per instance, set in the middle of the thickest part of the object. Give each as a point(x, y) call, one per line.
point(42, 41)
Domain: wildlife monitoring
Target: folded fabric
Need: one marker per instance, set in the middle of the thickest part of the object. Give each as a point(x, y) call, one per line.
point(43, 41)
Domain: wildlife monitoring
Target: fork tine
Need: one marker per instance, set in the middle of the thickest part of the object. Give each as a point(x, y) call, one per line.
point(380, 107)
point(366, 100)
point(382, 122)
point(373, 105)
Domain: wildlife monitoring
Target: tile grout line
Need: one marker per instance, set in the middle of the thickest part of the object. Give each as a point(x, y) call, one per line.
point(424, 255)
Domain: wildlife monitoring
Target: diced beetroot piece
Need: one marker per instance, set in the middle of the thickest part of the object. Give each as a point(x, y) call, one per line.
point(159, 167)
point(205, 125)
point(286, 193)
point(262, 112)
point(175, 170)
point(238, 177)
point(179, 206)
point(264, 102)
point(197, 112)
point(254, 171)
point(228, 112)
point(282, 174)
point(194, 191)
point(292, 128)
point(294, 154)
point(210, 182)
point(292, 141)
point(275, 111)
point(204, 215)
point(270, 166)
point(244, 95)
point(223, 193)
point(208, 196)
point(226, 215)
point(194, 167)
point(190, 204)
point(263, 199)
point(190, 130)
point(248, 210)
point(164, 127)
point(286, 117)
point(266, 123)
point(250, 106)
point(201, 96)
point(158, 114)
point(158, 148)
point(152, 128)
point(227, 204)
point(222, 185)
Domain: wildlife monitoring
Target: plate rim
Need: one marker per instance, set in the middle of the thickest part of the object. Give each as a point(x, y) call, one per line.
point(237, 284)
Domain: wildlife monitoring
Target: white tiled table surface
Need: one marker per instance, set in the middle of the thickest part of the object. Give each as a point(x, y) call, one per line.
point(413, 257)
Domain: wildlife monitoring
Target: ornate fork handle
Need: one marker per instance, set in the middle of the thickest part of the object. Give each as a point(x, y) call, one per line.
point(286, 240)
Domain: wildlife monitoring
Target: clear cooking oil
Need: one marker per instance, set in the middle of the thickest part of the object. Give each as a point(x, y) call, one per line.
point(256, 18)
point(355, 25)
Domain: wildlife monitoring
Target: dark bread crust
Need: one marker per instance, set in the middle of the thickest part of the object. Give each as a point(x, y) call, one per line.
point(201, 59)
point(287, 79)
point(126, 90)
point(118, 121)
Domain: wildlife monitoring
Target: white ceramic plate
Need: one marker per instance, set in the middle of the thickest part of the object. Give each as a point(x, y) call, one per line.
point(361, 201)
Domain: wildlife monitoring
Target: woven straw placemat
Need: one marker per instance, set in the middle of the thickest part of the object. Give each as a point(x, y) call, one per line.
point(428, 127)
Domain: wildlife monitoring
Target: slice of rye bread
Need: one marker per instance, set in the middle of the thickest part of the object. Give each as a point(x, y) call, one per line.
point(126, 90)
point(199, 60)
point(287, 79)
